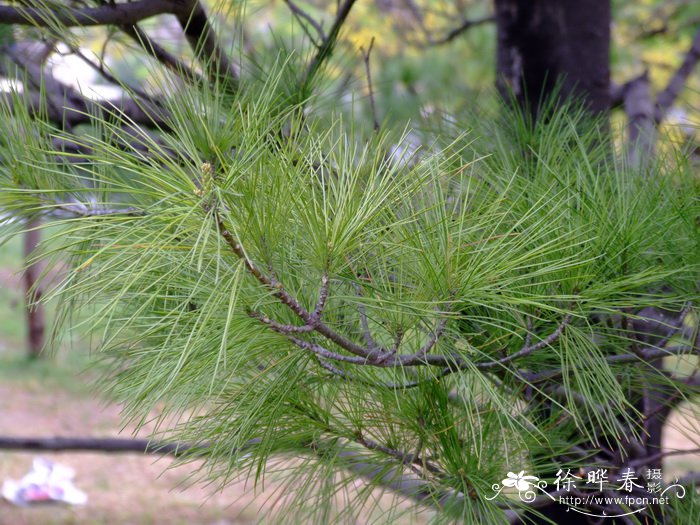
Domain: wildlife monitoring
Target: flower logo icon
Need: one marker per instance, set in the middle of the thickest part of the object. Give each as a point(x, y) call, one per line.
point(520, 481)
point(527, 486)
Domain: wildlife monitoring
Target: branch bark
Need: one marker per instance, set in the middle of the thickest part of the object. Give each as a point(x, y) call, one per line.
point(326, 47)
point(463, 27)
point(107, 14)
point(667, 97)
point(36, 323)
point(107, 445)
point(203, 39)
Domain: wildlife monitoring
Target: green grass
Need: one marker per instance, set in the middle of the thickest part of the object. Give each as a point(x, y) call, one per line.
point(65, 366)
point(11, 312)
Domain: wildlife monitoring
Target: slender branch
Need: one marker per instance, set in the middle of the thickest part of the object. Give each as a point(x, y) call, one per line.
point(161, 54)
point(529, 349)
point(107, 14)
point(79, 209)
point(369, 340)
point(327, 354)
point(108, 445)
point(464, 26)
point(432, 341)
point(678, 80)
point(203, 39)
point(291, 302)
point(326, 48)
point(660, 455)
point(322, 298)
point(99, 68)
point(406, 458)
point(390, 386)
point(373, 106)
point(314, 318)
point(644, 355)
point(300, 14)
point(284, 329)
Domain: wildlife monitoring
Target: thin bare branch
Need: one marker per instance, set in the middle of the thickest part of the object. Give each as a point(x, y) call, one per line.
point(161, 54)
point(529, 349)
point(79, 209)
point(300, 14)
point(204, 41)
point(100, 69)
point(322, 298)
point(433, 339)
point(367, 334)
point(291, 302)
point(106, 14)
point(406, 458)
point(326, 48)
point(464, 26)
point(107, 445)
point(279, 327)
point(377, 384)
point(660, 455)
point(667, 97)
point(373, 106)
point(327, 354)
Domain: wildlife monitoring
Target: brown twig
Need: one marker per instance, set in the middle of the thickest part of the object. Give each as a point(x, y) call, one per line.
point(107, 14)
point(326, 47)
point(108, 445)
point(654, 457)
point(464, 26)
point(204, 41)
point(161, 54)
point(529, 349)
point(373, 106)
point(675, 85)
point(644, 355)
point(300, 14)
point(367, 334)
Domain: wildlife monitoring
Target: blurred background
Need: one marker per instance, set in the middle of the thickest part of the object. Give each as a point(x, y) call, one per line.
point(432, 62)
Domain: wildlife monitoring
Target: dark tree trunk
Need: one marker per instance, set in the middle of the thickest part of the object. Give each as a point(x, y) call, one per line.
point(560, 48)
point(34, 311)
point(545, 43)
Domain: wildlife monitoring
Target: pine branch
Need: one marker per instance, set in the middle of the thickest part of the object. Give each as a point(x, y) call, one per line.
point(529, 349)
point(106, 445)
point(300, 14)
point(121, 14)
point(675, 85)
point(645, 355)
point(161, 54)
point(463, 27)
point(204, 41)
point(326, 48)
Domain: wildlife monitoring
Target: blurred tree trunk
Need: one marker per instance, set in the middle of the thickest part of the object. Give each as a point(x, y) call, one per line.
point(543, 44)
point(553, 48)
point(34, 311)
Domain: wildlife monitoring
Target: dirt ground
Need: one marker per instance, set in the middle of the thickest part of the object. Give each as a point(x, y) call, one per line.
point(122, 489)
point(129, 489)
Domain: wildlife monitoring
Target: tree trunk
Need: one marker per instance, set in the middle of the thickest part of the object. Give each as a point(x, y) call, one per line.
point(554, 46)
point(560, 49)
point(34, 311)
